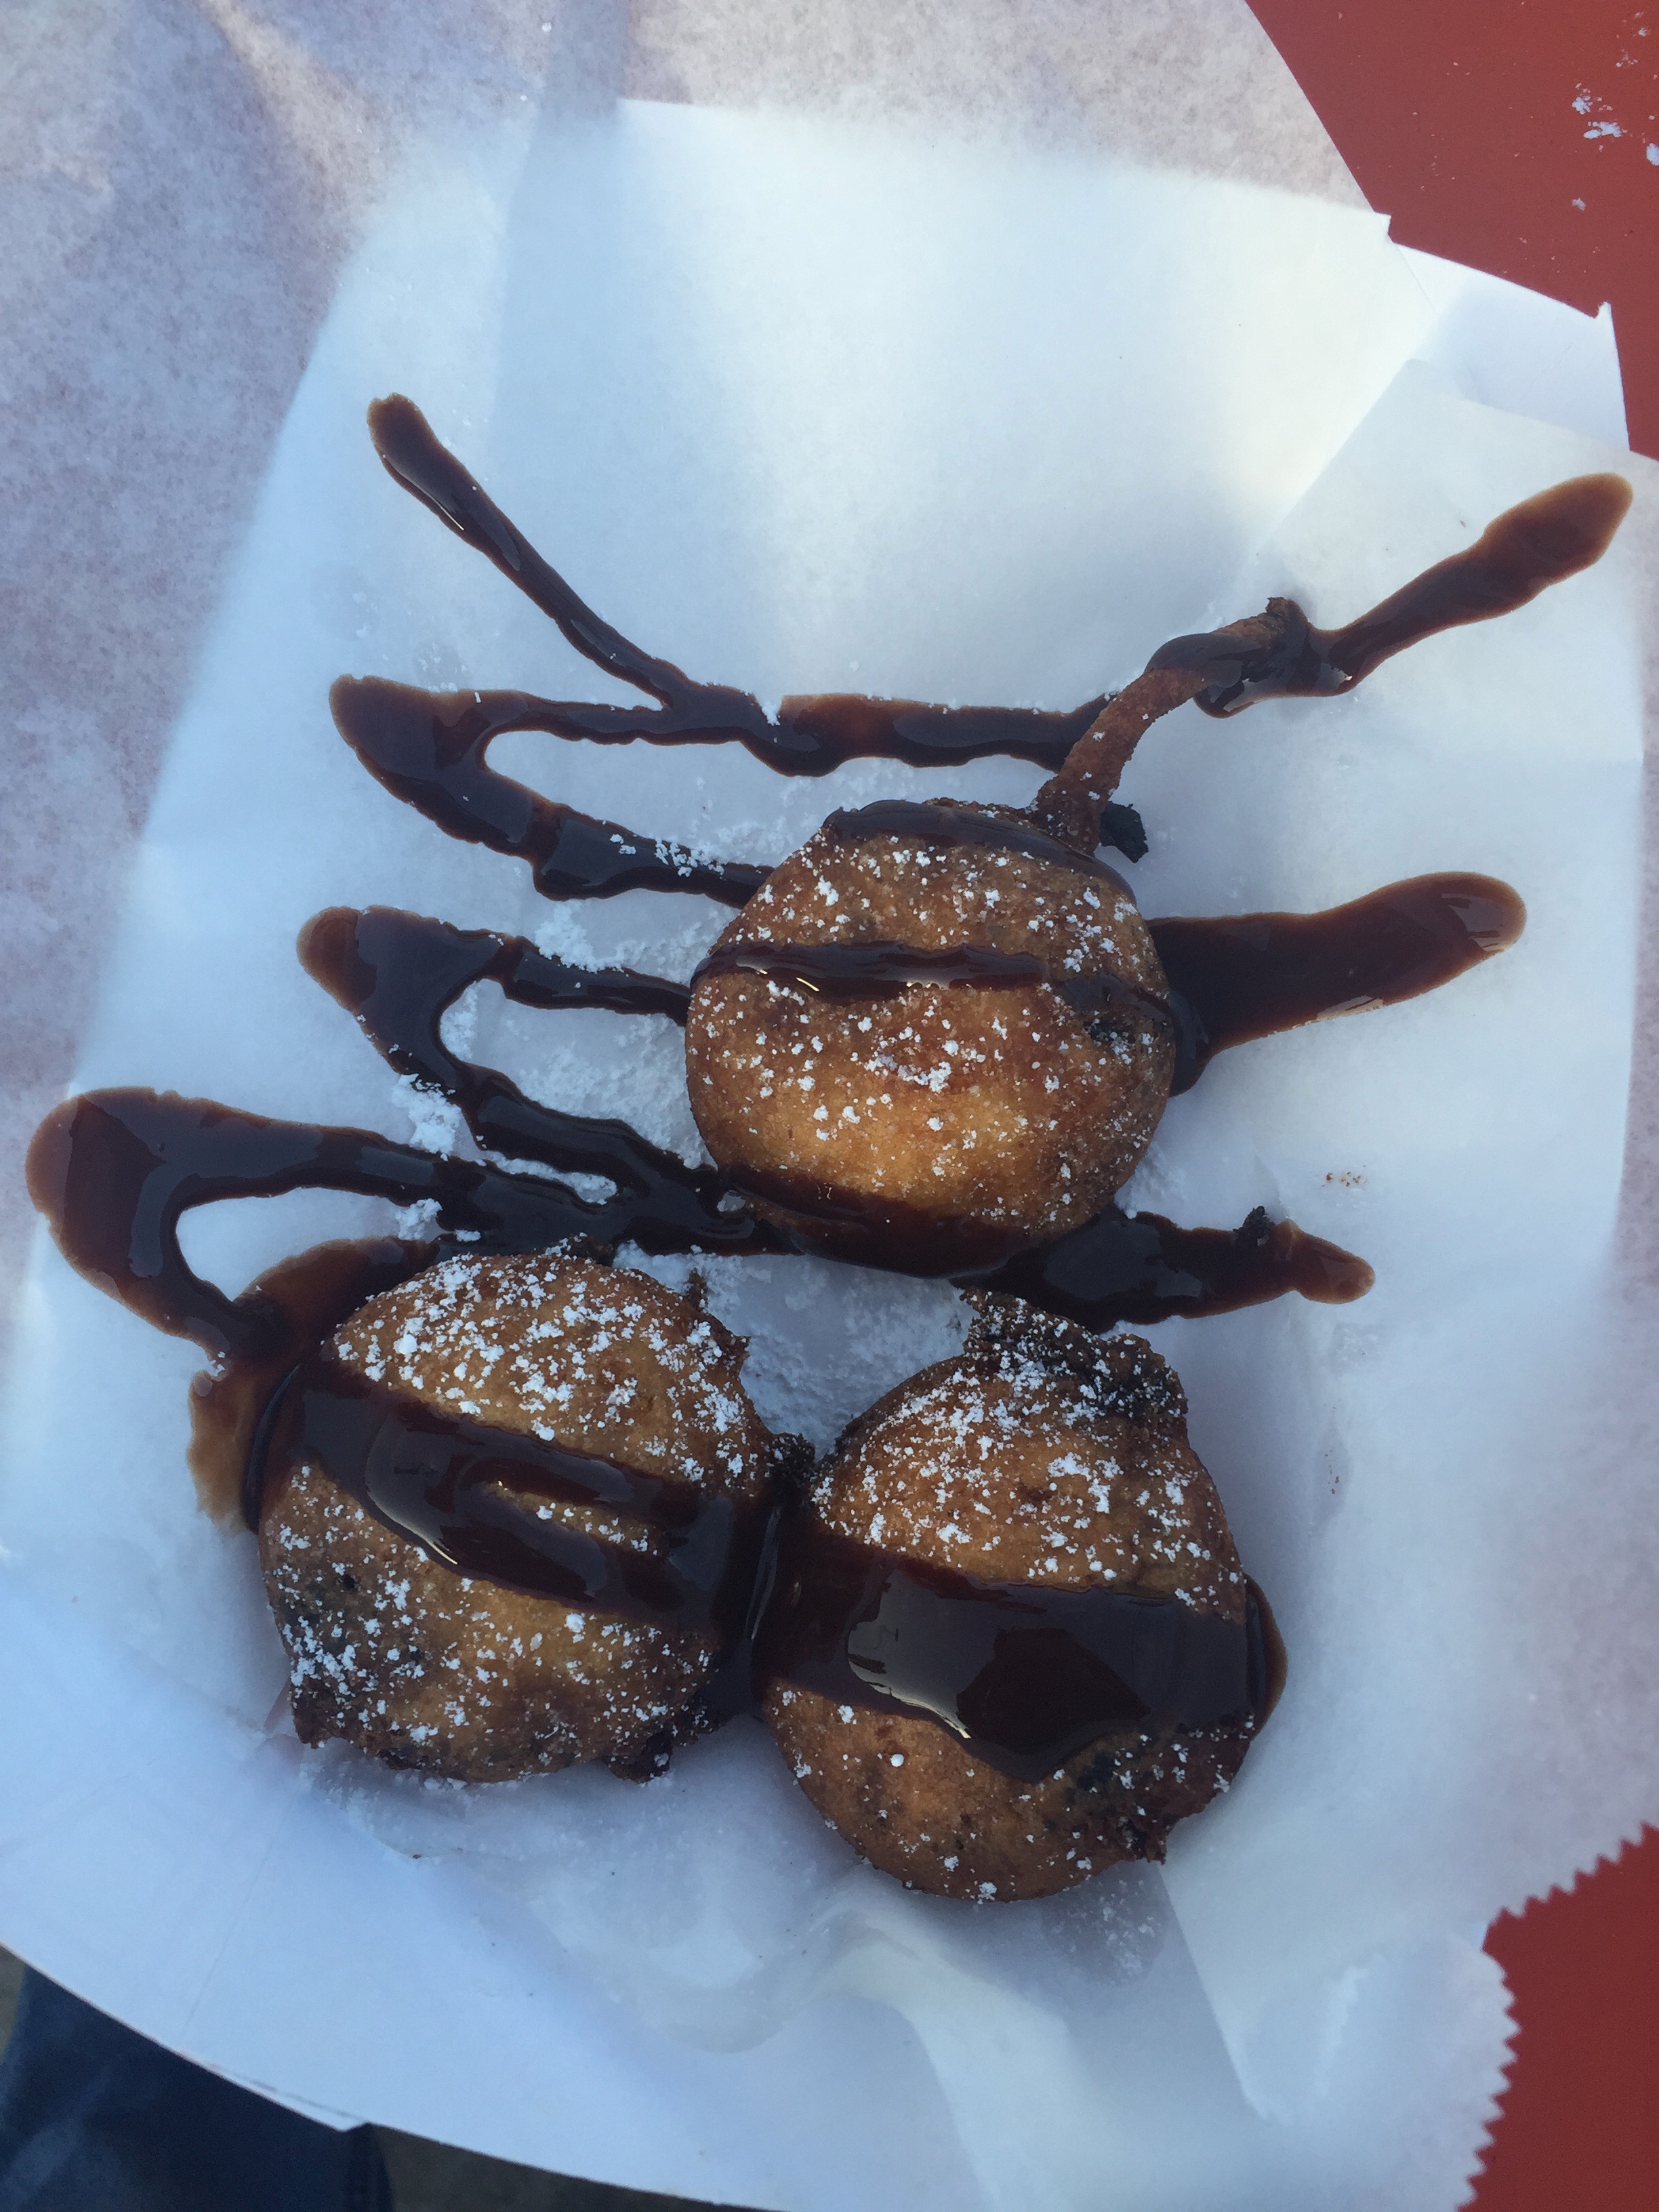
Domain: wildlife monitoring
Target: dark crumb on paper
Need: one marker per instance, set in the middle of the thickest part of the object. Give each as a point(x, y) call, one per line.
point(1121, 828)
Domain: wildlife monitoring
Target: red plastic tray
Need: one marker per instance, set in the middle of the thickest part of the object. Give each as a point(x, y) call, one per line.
point(1521, 137)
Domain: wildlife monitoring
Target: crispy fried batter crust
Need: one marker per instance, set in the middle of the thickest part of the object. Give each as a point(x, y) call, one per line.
point(992, 1104)
point(424, 1667)
point(1043, 1456)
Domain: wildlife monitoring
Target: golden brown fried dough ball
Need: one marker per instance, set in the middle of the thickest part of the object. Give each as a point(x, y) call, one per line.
point(426, 1668)
point(1044, 1456)
point(948, 1124)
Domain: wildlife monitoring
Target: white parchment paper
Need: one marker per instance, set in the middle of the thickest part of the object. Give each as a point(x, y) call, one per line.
point(845, 387)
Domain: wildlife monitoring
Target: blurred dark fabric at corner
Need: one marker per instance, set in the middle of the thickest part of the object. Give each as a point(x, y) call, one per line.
point(93, 2118)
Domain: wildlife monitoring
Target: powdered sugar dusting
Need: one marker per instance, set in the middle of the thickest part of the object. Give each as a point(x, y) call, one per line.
point(423, 1666)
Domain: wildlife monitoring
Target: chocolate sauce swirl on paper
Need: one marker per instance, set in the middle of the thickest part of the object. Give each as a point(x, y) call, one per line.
point(398, 973)
point(1528, 548)
point(1023, 1675)
point(428, 748)
point(115, 1171)
point(1236, 977)
point(935, 822)
point(810, 735)
point(1140, 1267)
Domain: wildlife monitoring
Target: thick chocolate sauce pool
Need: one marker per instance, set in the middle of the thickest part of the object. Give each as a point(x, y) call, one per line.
point(1023, 1676)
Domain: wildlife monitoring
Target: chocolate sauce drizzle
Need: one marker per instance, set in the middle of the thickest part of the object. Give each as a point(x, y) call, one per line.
point(428, 748)
point(453, 1485)
point(114, 1171)
point(1023, 1675)
point(398, 973)
point(1236, 977)
point(296, 1304)
point(1140, 1267)
point(883, 969)
point(811, 735)
point(1528, 548)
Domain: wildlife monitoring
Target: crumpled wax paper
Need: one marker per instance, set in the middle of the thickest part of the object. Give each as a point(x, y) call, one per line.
point(848, 355)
